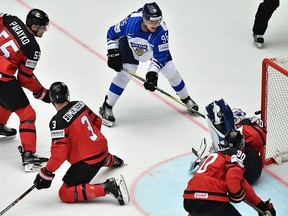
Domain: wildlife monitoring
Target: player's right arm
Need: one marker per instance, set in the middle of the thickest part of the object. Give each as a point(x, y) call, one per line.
point(59, 143)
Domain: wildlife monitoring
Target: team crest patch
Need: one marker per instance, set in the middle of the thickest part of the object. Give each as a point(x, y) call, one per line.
point(139, 49)
point(31, 63)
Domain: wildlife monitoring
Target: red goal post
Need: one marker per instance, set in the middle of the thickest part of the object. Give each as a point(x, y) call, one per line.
point(274, 108)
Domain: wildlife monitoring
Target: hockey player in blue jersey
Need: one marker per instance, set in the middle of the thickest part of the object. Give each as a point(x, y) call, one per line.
point(142, 36)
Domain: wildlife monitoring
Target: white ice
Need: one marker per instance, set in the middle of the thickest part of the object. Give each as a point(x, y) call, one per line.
point(211, 44)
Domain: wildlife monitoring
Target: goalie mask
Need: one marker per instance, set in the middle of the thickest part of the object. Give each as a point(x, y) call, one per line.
point(238, 115)
point(234, 139)
point(59, 92)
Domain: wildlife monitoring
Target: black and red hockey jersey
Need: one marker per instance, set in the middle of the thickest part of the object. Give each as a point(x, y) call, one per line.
point(221, 172)
point(19, 51)
point(76, 136)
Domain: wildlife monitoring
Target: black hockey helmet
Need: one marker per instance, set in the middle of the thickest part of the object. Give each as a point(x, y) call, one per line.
point(59, 92)
point(234, 138)
point(152, 12)
point(37, 17)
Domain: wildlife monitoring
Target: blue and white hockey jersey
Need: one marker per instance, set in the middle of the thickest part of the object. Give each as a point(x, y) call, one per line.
point(144, 45)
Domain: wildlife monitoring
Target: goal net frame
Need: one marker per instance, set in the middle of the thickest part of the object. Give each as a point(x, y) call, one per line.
point(274, 111)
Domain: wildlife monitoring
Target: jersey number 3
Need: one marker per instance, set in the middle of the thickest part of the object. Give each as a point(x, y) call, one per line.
point(85, 120)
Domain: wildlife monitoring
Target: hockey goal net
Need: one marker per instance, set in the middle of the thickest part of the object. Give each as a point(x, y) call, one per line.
point(274, 108)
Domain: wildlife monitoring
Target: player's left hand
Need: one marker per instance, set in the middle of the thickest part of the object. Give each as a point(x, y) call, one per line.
point(151, 81)
point(267, 207)
point(43, 95)
point(43, 179)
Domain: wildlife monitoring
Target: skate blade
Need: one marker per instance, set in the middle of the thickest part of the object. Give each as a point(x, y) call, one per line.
point(124, 190)
point(2, 138)
point(31, 167)
point(107, 122)
point(258, 45)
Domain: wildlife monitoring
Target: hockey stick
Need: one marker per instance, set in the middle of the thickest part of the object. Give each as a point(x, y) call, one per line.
point(17, 200)
point(165, 93)
point(251, 205)
point(255, 208)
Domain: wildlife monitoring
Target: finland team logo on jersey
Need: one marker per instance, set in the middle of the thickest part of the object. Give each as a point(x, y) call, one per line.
point(139, 49)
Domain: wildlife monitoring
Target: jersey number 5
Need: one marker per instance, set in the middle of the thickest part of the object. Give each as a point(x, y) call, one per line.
point(9, 43)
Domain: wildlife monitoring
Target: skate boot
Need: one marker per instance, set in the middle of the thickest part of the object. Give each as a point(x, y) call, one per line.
point(118, 162)
point(7, 133)
point(258, 40)
point(118, 189)
point(106, 114)
point(190, 104)
point(31, 161)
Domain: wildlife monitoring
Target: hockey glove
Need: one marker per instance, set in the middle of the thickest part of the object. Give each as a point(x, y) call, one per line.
point(114, 59)
point(151, 81)
point(43, 95)
point(43, 179)
point(267, 207)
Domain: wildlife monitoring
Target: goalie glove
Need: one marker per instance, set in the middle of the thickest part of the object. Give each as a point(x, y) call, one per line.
point(267, 207)
point(43, 95)
point(43, 179)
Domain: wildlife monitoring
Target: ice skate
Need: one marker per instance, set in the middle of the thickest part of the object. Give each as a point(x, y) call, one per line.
point(118, 162)
point(106, 114)
point(31, 161)
point(118, 189)
point(190, 104)
point(7, 133)
point(258, 40)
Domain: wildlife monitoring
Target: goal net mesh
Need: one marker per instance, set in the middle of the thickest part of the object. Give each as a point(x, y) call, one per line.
point(274, 107)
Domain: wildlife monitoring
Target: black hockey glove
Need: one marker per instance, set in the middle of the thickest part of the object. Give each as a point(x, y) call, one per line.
point(267, 207)
point(43, 95)
point(43, 179)
point(114, 59)
point(151, 81)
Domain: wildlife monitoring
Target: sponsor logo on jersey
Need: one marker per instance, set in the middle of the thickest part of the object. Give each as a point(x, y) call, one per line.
point(139, 49)
point(201, 195)
point(57, 134)
point(73, 111)
point(20, 33)
point(31, 63)
point(163, 47)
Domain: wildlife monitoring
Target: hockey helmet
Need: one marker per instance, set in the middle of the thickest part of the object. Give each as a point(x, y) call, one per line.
point(152, 12)
point(37, 17)
point(234, 138)
point(59, 92)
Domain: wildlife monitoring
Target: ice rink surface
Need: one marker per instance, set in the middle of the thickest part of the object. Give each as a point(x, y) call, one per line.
point(211, 44)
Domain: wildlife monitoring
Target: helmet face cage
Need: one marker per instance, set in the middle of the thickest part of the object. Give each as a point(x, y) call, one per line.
point(37, 17)
point(152, 12)
point(59, 92)
point(234, 139)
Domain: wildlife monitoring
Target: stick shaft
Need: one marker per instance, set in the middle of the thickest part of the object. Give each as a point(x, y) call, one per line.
point(17, 200)
point(164, 92)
